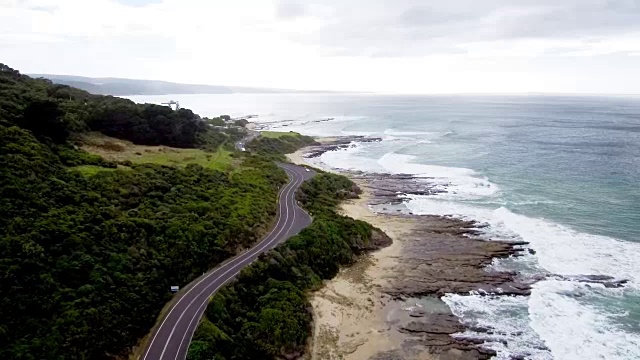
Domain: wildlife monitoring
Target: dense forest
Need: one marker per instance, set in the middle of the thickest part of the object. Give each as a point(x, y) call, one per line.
point(277, 147)
point(87, 259)
point(53, 113)
point(265, 313)
point(86, 262)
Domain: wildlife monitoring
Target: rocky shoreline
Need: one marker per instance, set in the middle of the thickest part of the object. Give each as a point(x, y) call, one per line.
point(442, 257)
point(337, 143)
point(439, 256)
point(388, 306)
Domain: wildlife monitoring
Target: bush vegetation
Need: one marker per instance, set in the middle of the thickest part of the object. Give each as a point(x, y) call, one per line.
point(54, 112)
point(265, 313)
point(86, 262)
point(87, 256)
point(277, 134)
point(276, 147)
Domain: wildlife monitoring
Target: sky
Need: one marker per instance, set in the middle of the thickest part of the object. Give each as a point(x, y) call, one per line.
point(389, 46)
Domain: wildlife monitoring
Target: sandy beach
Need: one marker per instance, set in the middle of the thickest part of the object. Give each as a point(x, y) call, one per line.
point(297, 157)
point(349, 311)
point(387, 305)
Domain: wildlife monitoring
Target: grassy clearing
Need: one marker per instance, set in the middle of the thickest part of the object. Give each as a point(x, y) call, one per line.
point(90, 170)
point(120, 150)
point(219, 160)
point(278, 134)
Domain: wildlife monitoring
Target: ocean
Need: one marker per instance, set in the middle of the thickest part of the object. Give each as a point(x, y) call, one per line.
point(560, 172)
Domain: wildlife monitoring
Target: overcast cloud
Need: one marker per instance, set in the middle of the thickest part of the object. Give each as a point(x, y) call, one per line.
point(410, 46)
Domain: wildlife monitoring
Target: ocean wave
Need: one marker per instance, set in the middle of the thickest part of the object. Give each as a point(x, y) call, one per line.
point(403, 164)
point(563, 250)
point(348, 159)
point(560, 249)
point(555, 321)
point(571, 328)
point(409, 133)
point(552, 323)
point(356, 133)
point(505, 318)
point(530, 202)
point(455, 183)
point(315, 125)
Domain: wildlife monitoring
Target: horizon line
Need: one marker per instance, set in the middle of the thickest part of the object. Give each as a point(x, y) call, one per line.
point(368, 92)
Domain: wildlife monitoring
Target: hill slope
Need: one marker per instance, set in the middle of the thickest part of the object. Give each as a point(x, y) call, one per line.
point(95, 230)
point(126, 87)
point(87, 255)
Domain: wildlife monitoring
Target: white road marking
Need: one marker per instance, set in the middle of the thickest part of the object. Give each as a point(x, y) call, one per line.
point(164, 349)
point(209, 275)
point(292, 185)
point(203, 305)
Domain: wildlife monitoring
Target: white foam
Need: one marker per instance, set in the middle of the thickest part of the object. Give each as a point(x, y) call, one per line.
point(409, 133)
point(345, 118)
point(550, 324)
point(350, 158)
point(356, 133)
point(403, 164)
point(391, 138)
point(320, 126)
point(572, 329)
point(458, 183)
point(565, 251)
point(553, 314)
point(560, 249)
point(506, 318)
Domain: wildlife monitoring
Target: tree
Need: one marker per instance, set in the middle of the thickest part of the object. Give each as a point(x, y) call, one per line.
point(45, 119)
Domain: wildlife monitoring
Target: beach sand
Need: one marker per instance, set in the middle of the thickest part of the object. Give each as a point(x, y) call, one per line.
point(387, 305)
point(350, 311)
point(297, 157)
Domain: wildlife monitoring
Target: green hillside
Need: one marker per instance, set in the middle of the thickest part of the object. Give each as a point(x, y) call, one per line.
point(105, 204)
point(91, 241)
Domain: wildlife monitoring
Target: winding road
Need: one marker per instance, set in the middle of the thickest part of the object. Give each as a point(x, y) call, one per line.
point(171, 339)
point(240, 145)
